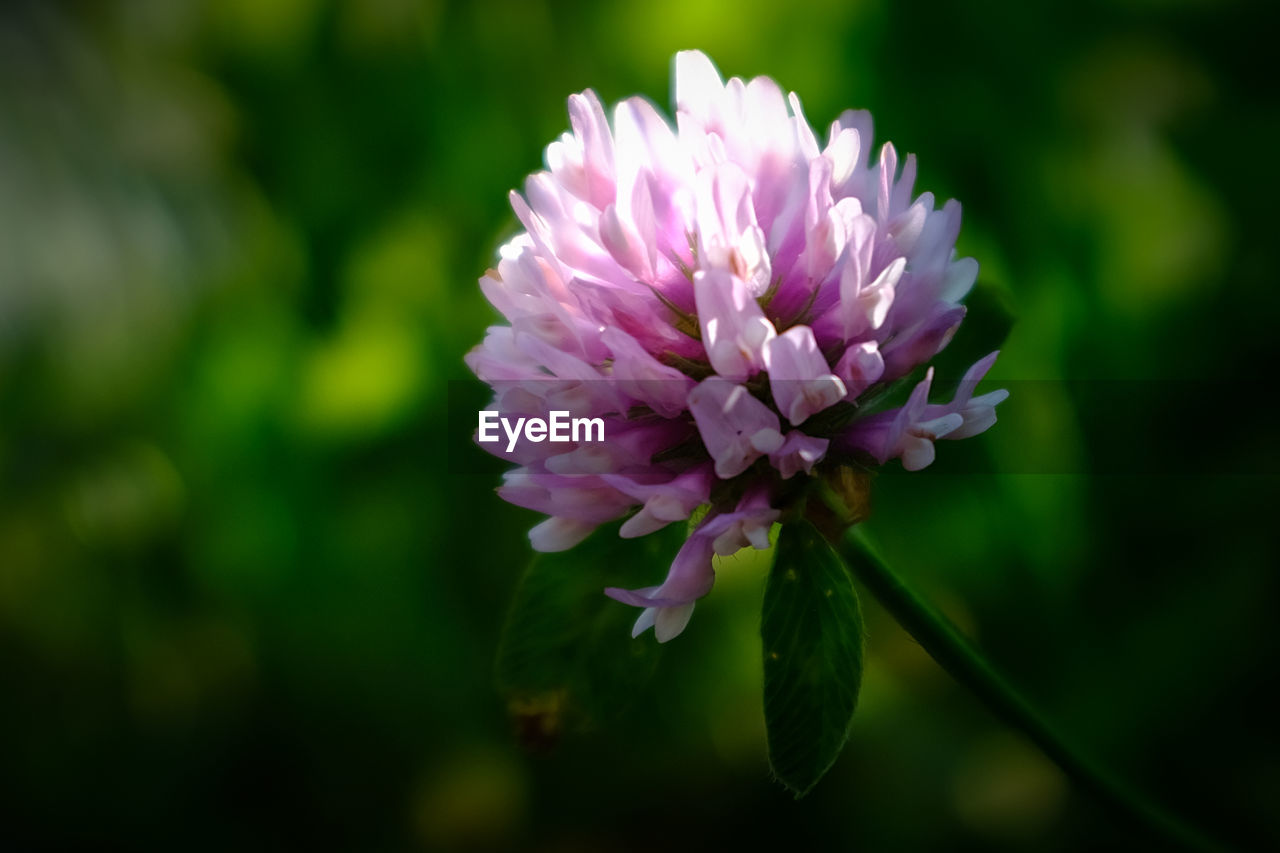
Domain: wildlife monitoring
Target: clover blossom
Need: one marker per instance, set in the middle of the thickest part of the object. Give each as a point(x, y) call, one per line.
point(729, 296)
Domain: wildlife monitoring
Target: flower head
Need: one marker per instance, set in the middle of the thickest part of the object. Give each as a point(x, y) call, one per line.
point(726, 295)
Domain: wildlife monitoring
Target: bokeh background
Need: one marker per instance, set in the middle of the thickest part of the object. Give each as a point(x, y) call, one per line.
point(252, 574)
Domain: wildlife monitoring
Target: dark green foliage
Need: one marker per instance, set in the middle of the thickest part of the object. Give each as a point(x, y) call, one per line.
point(811, 629)
point(566, 657)
point(252, 568)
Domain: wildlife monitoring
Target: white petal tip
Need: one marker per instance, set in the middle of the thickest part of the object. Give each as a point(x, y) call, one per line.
point(645, 622)
point(558, 534)
point(671, 621)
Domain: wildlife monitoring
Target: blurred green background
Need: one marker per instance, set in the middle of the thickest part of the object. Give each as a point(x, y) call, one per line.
point(252, 574)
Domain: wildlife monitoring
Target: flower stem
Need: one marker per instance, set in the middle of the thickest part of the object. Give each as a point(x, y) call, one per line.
point(955, 654)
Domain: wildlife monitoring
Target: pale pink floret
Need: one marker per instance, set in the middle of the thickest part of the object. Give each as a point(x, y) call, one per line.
point(667, 607)
point(734, 329)
point(673, 500)
point(727, 295)
point(978, 414)
point(736, 427)
point(859, 368)
point(908, 433)
point(799, 452)
point(799, 376)
point(747, 526)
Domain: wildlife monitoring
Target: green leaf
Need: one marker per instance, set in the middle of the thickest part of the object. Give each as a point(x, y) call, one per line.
point(812, 632)
point(566, 659)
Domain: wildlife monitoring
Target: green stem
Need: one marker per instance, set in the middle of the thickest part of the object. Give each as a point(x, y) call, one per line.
point(955, 654)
